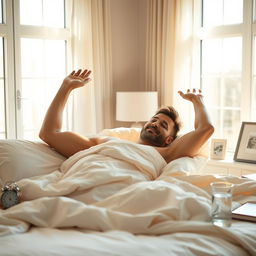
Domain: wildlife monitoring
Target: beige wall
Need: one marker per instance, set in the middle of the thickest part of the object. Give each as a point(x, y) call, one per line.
point(128, 30)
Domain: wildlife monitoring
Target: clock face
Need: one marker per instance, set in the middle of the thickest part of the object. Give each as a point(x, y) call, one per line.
point(9, 198)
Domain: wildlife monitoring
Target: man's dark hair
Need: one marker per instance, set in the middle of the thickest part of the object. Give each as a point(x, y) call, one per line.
point(173, 114)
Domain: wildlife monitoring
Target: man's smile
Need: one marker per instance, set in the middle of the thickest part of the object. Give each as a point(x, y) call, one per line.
point(153, 130)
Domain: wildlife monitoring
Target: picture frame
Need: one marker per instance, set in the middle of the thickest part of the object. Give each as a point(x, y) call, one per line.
point(246, 144)
point(218, 149)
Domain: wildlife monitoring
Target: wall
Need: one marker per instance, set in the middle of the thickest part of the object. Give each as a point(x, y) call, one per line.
point(128, 30)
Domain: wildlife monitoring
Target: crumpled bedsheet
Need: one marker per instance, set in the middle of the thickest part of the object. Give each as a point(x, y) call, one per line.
point(121, 185)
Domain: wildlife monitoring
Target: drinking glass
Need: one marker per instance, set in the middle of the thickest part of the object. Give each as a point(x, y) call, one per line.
point(221, 203)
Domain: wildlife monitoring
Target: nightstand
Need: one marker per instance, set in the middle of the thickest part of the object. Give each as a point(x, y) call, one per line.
point(228, 167)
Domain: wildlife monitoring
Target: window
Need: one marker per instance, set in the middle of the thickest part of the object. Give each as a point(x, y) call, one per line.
point(228, 78)
point(33, 61)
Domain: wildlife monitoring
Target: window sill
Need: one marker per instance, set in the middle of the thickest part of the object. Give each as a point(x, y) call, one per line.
point(229, 167)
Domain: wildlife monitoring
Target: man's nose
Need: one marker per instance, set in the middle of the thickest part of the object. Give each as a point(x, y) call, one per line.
point(155, 124)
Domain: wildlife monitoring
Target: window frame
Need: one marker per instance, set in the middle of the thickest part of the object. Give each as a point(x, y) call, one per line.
point(12, 32)
point(245, 30)
point(6, 31)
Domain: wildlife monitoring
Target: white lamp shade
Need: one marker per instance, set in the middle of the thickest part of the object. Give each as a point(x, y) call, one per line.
point(136, 106)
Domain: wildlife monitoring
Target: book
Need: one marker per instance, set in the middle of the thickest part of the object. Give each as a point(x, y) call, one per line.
point(246, 212)
point(251, 176)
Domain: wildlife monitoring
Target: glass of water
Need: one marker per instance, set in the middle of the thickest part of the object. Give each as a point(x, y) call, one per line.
point(221, 203)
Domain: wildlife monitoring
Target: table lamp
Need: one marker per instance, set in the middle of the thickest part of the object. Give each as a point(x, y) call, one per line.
point(136, 107)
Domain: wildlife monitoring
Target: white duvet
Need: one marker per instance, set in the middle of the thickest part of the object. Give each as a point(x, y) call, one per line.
point(121, 185)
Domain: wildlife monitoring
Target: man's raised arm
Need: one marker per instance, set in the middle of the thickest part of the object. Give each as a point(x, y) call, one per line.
point(190, 143)
point(66, 143)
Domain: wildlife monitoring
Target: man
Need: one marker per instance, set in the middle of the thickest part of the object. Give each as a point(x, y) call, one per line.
point(159, 132)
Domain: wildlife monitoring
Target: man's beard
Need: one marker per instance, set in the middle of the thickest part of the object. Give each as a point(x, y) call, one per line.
point(154, 139)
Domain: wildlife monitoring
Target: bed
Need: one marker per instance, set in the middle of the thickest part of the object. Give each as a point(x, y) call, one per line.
point(117, 198)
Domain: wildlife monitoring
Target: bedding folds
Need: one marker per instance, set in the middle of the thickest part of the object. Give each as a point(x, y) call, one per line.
point(127, 191)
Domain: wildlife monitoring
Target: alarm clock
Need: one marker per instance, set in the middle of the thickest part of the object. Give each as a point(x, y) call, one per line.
point(10, 195)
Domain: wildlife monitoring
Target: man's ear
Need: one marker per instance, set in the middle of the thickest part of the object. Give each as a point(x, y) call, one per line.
point(169, 140)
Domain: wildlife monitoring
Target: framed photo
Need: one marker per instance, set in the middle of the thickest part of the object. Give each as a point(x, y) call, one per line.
point(218, 149)
point(246, 144)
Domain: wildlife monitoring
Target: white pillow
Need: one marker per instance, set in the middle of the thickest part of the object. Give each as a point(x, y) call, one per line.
point(22, 159)
point(184, 166)
point(131, 134)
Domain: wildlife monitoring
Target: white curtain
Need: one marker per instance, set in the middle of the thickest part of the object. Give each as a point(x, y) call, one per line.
point(159, 48)
point(170, 52)
point(102, 63)
point(186, 51)
point(90, 48)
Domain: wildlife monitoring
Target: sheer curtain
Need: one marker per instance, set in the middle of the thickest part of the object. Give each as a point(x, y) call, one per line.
point(186, 67)
point(90, 48)
point(170, 52)
point(159, 48)
point(102, 64)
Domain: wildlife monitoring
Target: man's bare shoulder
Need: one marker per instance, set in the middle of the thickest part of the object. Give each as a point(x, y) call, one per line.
point(170, 152)
point(99, 139)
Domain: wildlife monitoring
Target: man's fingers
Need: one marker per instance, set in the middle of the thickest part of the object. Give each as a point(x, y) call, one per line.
point(88, 72)
point(80, 75)
point(84, 72)
point(189, 92)
point(78, 72)
point(194, 90)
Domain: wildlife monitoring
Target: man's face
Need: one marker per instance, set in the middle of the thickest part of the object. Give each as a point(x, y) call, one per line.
point(157, 131)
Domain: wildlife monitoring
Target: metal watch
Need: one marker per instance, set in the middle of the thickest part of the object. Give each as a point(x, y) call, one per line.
point(10, 194)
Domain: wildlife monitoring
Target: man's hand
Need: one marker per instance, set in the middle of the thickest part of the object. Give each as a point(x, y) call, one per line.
point(191, 95)
point(77, 79)
point(196, 98)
